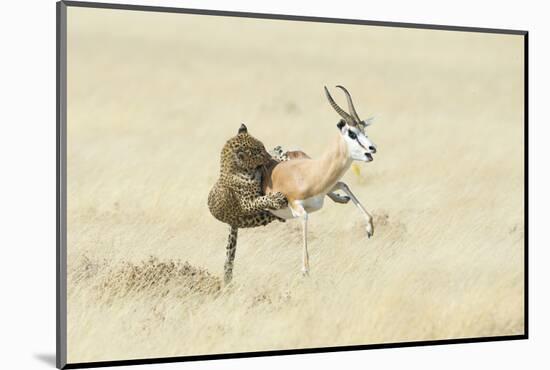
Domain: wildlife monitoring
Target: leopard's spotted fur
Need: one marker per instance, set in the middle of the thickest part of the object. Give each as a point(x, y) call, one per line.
point(236, 198)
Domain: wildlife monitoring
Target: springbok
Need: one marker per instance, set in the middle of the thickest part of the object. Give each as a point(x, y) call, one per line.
point(306, 181)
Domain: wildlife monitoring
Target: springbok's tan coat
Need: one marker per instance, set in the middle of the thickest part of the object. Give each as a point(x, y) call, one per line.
point(305, 181)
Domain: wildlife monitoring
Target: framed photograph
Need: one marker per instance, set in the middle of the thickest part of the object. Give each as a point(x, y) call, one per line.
point(236, 184)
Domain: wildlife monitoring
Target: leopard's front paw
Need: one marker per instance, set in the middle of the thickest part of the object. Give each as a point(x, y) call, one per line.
point(277, 151)
point(279, 200)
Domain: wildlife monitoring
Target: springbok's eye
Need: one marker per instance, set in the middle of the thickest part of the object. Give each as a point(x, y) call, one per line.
point(352, 135)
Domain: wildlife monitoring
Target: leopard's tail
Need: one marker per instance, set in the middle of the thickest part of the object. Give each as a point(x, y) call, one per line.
point(230, 254)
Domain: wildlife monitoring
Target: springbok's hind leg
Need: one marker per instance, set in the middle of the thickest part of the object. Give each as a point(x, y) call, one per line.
point(230, 256)
point(368, 217)
point(305, 256)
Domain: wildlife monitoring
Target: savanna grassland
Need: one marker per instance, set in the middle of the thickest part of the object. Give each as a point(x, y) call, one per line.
point(152, 97)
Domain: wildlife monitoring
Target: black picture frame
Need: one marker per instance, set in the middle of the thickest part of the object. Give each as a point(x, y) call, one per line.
point(61, 186)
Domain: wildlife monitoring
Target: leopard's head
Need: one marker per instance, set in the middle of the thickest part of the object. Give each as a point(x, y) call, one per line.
point(244, 151)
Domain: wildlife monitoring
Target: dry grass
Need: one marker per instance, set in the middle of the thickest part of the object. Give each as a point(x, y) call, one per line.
point(152, 98)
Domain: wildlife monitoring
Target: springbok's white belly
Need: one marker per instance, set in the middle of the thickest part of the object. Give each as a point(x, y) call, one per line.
point(310, 205)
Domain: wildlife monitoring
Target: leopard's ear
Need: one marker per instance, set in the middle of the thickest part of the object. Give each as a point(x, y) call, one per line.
point(242, 129)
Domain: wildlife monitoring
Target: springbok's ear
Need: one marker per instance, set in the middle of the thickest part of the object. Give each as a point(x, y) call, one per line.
point(369, 121)
point(242, 129)
point(341, 124)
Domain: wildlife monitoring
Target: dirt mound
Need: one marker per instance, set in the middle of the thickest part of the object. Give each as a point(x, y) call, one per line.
point(152, 277)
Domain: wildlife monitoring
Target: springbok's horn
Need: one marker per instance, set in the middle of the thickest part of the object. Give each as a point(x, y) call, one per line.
point(339, 110)
point(351, 108)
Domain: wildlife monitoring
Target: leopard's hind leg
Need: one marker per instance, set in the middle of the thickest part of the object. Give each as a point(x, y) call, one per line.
point(230, 254)
point(262, 218)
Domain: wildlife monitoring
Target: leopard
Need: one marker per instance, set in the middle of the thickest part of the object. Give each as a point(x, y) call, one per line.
point(236, 198)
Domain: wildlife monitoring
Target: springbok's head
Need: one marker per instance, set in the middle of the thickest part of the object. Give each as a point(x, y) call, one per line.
point(352, 129)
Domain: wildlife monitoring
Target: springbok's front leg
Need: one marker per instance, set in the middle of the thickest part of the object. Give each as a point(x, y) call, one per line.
point(337, 198)
point(299, 211)
point(345, 188)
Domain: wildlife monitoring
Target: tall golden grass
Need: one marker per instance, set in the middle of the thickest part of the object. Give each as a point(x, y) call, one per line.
point(152, 97)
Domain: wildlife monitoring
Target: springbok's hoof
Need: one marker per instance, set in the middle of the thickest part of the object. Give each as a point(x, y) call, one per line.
point(370, 230)
point(305, 273)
